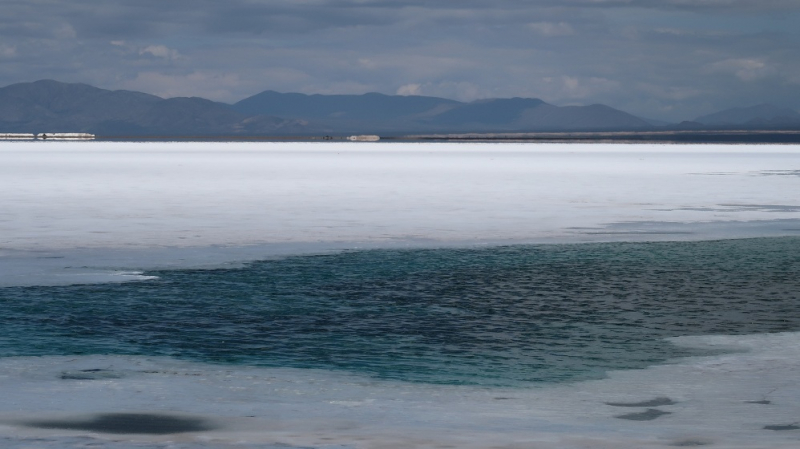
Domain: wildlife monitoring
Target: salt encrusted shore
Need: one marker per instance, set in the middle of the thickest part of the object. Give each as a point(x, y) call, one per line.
point(742, 400)
point(101, 211)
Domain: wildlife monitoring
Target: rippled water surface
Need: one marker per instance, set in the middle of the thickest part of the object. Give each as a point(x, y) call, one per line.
point(511, 315)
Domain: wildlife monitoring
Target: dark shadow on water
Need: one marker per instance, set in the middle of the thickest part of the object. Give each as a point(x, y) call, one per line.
point(648, 415)
point(126, 423)
point(91, 374)
point(782, 427)
point(691, 443)
point(651, 403)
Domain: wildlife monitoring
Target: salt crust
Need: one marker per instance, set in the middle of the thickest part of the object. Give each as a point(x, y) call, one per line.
point(80, 212)
point(725, 401)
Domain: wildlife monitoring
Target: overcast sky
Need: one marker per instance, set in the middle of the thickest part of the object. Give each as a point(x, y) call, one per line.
point(665, 59)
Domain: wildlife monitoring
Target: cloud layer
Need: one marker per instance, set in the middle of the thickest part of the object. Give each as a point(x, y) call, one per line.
point(669, 59)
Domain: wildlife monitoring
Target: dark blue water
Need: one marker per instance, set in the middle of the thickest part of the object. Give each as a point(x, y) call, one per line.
point(496, 316)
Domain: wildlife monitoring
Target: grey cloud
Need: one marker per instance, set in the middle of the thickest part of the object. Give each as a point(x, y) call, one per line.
point(728, 6)
point(672, 59)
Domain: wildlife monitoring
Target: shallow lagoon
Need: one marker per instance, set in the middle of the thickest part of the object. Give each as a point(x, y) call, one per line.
point(359, 370)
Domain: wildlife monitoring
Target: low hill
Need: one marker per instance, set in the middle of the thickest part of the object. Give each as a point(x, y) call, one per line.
point(369, 107)
point(52, 106)
point(754, 116)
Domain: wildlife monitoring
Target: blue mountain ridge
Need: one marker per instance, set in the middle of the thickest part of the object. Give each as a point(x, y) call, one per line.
point(52, 106)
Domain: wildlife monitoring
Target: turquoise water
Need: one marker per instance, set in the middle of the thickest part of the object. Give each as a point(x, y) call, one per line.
point(504, 316)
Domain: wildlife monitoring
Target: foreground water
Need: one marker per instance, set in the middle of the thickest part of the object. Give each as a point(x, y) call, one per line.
point(385, 347)
point(504, 316)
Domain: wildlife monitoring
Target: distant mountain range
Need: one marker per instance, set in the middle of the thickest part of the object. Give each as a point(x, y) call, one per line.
point(52, 106)
point(385, 113)
point(763, 115)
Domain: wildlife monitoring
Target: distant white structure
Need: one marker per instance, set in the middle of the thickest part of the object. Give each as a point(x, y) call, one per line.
point(364, 138)
point(65, 136)
point(16, 136)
